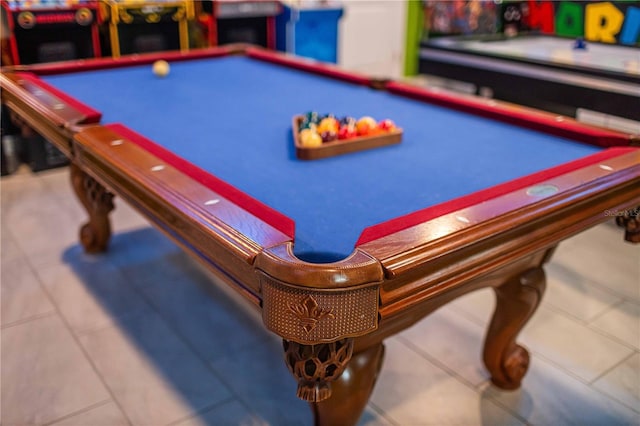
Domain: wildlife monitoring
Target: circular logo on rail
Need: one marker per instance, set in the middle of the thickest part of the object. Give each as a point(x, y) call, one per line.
point(26, 20)
point(84, 16)
point(543, 190)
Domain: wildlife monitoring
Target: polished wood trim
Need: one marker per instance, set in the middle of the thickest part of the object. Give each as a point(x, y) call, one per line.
point(504, 226)
point(582, 199)
point(37, 105)
point(263, 212)
point(223, 236)
point(318, 302)
point(58, 102)
point(354, 271)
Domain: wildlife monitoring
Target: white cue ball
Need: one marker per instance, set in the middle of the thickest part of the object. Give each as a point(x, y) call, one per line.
point(161, 68)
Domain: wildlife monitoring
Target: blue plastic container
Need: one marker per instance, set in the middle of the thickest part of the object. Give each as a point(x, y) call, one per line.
point(309, 32)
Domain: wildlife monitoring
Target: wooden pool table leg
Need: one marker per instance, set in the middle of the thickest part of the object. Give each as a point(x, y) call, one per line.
point(336, 383)
point(98, 202)
point(630, 221)
point(316, 367)
point(516, 301)
point(352, 390)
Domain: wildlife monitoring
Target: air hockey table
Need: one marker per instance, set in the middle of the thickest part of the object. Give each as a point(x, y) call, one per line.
point(541, 71)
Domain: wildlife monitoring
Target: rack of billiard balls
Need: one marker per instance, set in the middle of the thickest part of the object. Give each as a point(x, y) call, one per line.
point(319, 136)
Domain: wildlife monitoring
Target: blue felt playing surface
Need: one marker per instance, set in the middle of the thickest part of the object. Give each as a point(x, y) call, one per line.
point(232, 117)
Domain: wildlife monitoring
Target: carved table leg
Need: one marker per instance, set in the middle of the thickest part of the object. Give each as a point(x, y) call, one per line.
point(630, 221)
point(516, 301)
point(95, 234)
point(352, 390)
point(316, 366)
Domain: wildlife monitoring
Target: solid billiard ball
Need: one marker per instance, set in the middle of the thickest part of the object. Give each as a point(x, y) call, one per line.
point(387, 125)
point(161, 68)
point(305, 132)
point(346, 132)
point(309, 138)
point(365, 126)
point(328, 124)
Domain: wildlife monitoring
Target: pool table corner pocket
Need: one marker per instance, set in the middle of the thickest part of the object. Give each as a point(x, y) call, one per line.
point(310, 303)
point(318, 309)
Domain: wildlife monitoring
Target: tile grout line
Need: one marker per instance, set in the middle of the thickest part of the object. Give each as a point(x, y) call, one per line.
point(169, 324)
point(402, 340)
point(586, 324)
point(635, 409)
point(460, 378)
point(613, 367)
point(455, 375)
point(612, 292)
point(154, 308)
point(75, 413)
point(380, 412)
point(75, 339)
point(28, 319)
point(610, 308)
point(203, 410)
point(574, 375)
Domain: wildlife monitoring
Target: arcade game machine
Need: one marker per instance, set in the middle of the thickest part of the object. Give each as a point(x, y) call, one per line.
point(7, 129)
point(37, 31)
point(243, 21)
point(139, 26)
point(51, 30)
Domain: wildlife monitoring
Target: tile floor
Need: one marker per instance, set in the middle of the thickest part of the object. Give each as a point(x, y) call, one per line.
point(137, 336)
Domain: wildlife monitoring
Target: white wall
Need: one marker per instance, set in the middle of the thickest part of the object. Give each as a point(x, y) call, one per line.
point(372, 36)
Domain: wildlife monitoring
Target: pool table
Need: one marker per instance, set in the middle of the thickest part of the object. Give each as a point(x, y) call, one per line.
point(542, 71)
point(337, 253)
